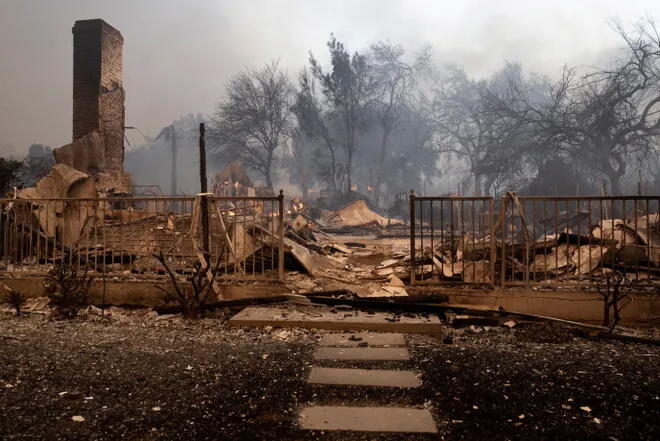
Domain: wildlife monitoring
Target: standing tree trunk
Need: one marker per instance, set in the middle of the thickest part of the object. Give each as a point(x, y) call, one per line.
point(614, 175)
point(615, 183)
point(174, 186)
point(349, 171)
point(350, 140)
point(267, 172)
point(381, 159)
point(477, 184)
point(333, 168)
point(299, 153)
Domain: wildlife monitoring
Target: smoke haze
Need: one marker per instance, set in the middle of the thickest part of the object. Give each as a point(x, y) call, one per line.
point(178, 56)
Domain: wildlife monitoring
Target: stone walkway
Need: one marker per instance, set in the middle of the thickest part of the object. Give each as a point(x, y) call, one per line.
point(346, 347)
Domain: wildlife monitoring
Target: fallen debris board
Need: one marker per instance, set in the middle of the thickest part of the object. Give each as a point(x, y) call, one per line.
point(360, 339)
point(339, 247)
point(304, 256)
point(358, 213)
point(367, 419)
point(363, 377)
point(362, 354)
point(323, 318)
point(355, 244)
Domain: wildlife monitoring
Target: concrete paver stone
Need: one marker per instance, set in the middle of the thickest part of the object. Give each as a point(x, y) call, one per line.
point(363, 377)
point(366, 354)
point(367, 419)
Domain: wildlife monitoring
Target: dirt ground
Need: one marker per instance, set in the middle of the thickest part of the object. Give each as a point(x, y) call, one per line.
point(146, 379)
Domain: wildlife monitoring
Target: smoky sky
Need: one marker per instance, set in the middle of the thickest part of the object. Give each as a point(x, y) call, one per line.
point(179, 54)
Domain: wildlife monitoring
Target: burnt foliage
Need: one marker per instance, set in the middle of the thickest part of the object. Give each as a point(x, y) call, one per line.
point(192, 292)
point(67, 285)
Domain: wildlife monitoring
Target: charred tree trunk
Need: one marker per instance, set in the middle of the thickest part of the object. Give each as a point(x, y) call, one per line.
point(333, 170)
point(349, 178)
point(381, 162)
point(267, 172)
point(174, 183)
point(477, 184)
point(615, 183)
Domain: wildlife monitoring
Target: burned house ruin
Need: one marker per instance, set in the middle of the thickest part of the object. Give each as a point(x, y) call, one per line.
point(83, 211)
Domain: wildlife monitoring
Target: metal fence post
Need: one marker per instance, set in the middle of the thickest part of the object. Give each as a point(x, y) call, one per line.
point(280, 263)
point(504, 204)
point(493, 240)
point(412, 237)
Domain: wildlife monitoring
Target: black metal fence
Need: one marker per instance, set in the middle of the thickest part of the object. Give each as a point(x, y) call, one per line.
point(122, 235)
point(524, 241)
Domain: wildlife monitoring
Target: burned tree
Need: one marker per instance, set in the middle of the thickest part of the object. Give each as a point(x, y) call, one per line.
point(253, 122)
point(604, 117)
point(37, 164)
point(395, 88)
point(458, 115)
point(301, 161)
point(470, 127)
point(313, 123)
point(348, 90)
point(10, 174)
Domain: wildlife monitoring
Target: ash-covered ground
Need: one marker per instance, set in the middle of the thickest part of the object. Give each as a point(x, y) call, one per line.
point(146, 379)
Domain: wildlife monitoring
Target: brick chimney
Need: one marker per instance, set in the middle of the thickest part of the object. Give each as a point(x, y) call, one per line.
point(98, 95)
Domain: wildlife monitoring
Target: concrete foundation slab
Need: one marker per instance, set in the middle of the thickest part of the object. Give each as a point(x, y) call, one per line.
point(359, 339)
point(364, 377)
point(367, 419)
point(324, 318)
point(362, 354)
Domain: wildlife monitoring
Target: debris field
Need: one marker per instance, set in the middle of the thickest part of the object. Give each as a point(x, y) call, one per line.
point(135, 375)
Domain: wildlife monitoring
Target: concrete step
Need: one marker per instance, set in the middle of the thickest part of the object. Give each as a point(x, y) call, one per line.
point(359, 339)
point(367, 419)
point(324, 318)
point(363, 377)
point(366, 354)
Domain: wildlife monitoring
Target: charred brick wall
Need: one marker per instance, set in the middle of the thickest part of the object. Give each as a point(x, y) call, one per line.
point(98, 95)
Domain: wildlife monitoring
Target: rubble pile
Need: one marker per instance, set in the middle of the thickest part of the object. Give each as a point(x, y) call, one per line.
point(578, 250)
point(361, 269)
point(357, 218)
point(121, 236)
